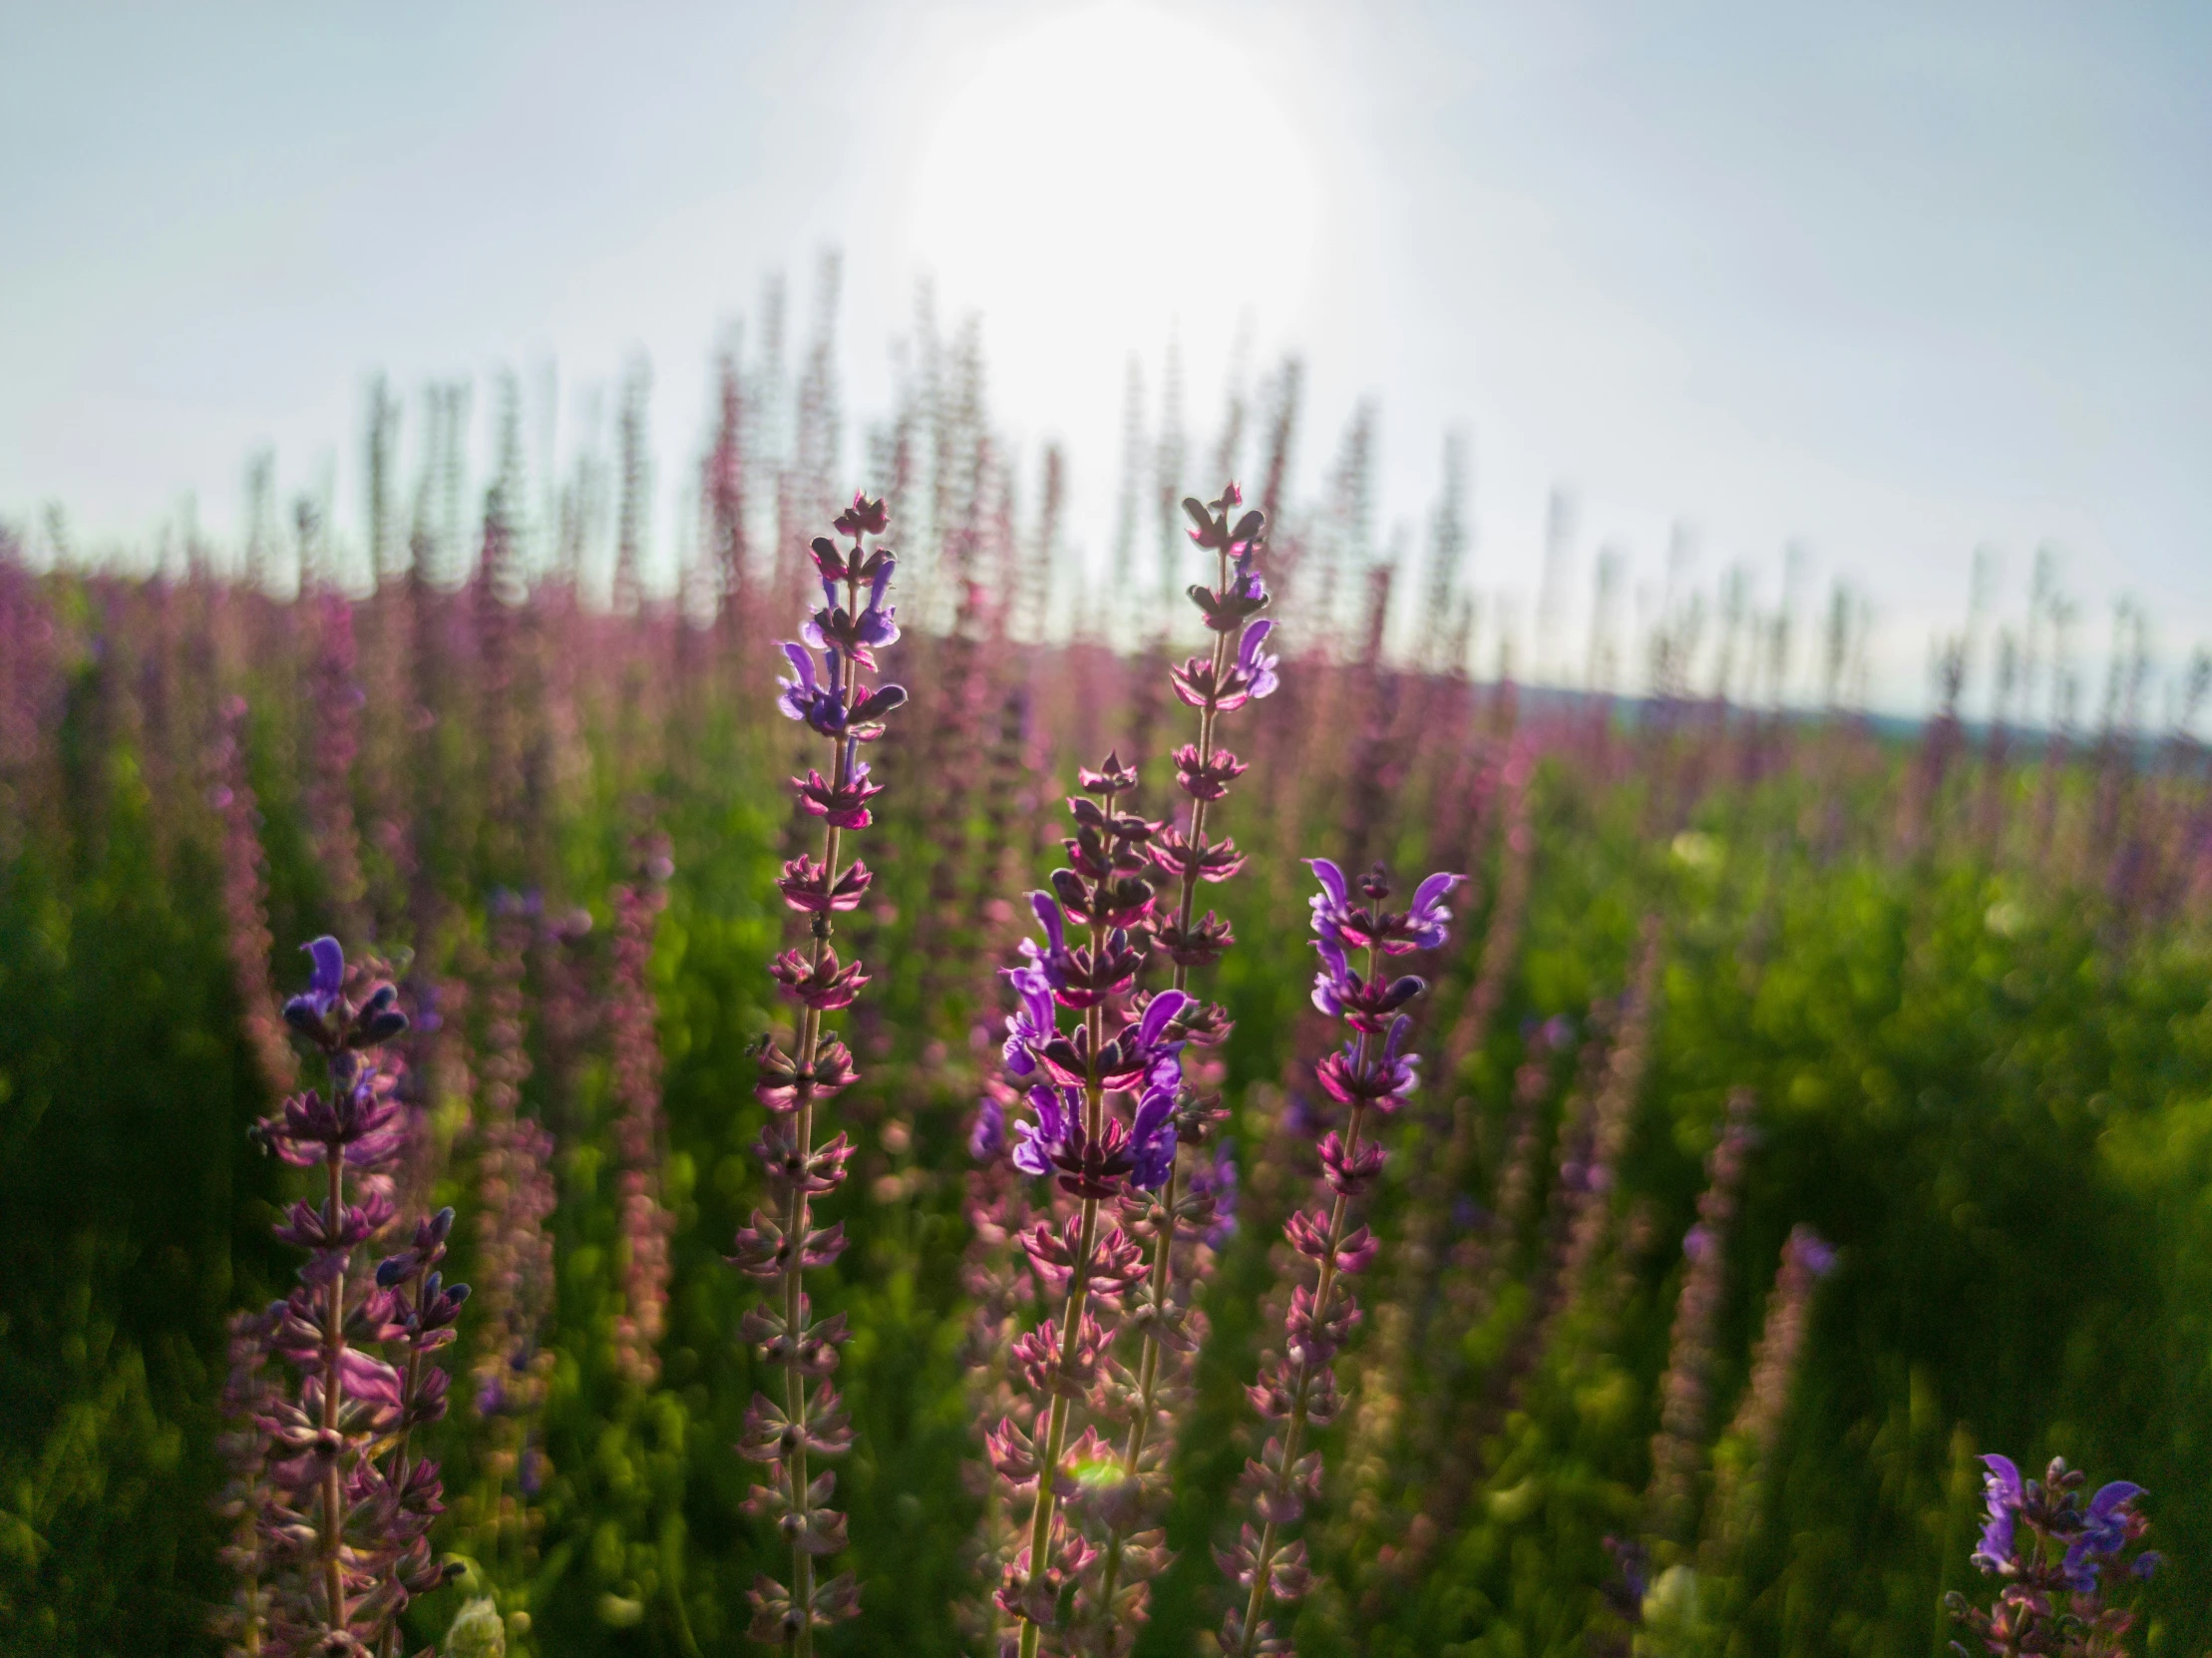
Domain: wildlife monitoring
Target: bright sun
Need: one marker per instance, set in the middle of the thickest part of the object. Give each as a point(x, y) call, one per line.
point(1107, 174)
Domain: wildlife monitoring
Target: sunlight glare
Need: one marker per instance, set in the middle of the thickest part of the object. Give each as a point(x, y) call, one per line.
point(1108, 175)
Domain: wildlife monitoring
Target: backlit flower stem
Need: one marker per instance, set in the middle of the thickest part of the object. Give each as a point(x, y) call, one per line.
point(1365, 1077)
point(333, 1392)
point(779, 1246)
point(798, 1218)
point(1302, 1389)
point(1078, 1297)
point(1228, 608)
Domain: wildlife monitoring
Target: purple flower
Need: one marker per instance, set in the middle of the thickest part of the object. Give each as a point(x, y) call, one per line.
point(325, 985)
point(1218, 1182)
point(807, 698)
point(1331, 906)
point(1152, 1140)
point(986, 1141)
point(1341, 993)
point(1247, 587)
point(1428, 920)
point(2002, 1486)
point(1031, 1026)
point(2103, 1534)
point(1037, 1141)
point(833, 628)
point(1818, 1255)
point(1158, 1013)
point(1258, 666)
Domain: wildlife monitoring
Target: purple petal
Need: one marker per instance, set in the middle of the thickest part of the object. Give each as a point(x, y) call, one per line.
point(2003, 1480)
point(2110, 1498)
point(1028, 1156)
point(802, 664)
point(1248, 647)
point(329, 975)
point(1052, 1120)
point(1332, 954)
point(1433, 889)
point(1330, 877)
point(1398, 1027)
point(1153, 1110)
point(1159, 1013)
point(1048, 917)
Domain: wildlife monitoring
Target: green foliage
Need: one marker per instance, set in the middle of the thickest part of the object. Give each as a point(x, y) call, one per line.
point(1993, 1092)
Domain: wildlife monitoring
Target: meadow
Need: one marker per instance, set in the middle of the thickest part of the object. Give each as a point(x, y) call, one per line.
point(1807, 1105)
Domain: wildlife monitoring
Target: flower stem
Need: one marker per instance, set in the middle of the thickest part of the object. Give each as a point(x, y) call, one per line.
point(1323, 1292)
point(1163, 1246)
point(1078, 1294)
point(333, 1389)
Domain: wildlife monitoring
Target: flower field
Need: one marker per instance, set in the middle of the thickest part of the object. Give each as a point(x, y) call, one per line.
point(1187, 1115)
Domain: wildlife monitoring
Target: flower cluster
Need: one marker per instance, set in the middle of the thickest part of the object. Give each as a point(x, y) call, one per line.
point(1102, 1097)
point(2054, 1553)
point(809, 1420)
point(1184, 1217)
point(1372, 1075)
point(347, 1507)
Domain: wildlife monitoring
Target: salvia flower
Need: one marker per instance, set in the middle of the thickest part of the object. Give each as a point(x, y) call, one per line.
point(1298, 1391)
point(1105, 1110)
point(778, 1247)
point(347, 1507)
point(2058, 1559)
point(1184, 1222)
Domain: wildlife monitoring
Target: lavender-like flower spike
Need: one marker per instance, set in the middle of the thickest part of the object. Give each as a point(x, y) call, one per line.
point(809, 1421)
point(1370, 1076)
point(2053, 1552)
point(1746, 1449)
point(1186, 1222)
point(646, 1221)
point(1103, 1099)
point(348, 1508)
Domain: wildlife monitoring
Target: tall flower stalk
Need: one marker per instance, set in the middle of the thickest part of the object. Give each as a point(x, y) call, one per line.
point(1372, 1075)
point(636, 1046)
point(248, 1393)
point(835, 703)
point(352, 1505)
point(512, 1369)
point(246, 900)
point(1231, 677)
point(1103, 1128)
point(1685, 1390)
point(1744, 1462)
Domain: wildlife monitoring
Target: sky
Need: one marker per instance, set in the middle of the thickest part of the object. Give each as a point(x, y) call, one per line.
point(1888, 283)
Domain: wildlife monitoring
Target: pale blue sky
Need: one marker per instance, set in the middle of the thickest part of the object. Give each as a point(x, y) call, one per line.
point(1897, 280)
